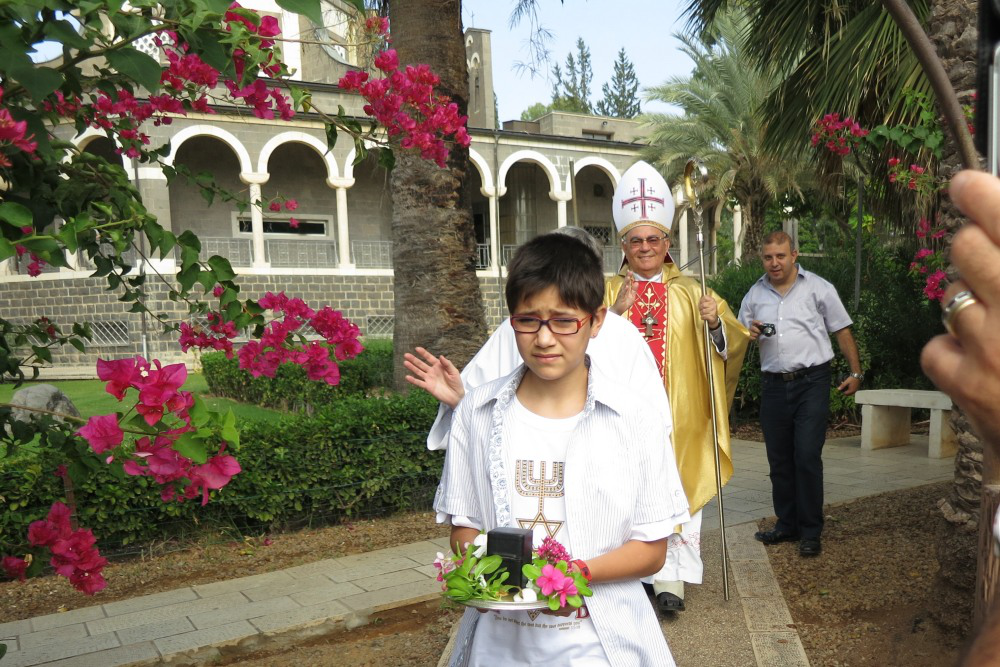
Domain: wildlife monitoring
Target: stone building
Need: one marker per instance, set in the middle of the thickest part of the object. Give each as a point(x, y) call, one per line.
point(532, 177)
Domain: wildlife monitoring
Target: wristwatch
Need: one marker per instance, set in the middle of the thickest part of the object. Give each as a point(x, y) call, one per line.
point(858, 376)
point(584, 570)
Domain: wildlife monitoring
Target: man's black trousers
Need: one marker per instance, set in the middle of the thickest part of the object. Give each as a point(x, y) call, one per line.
point(793, 416)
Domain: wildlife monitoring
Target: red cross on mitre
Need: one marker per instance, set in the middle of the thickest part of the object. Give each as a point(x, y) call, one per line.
point(645, 198)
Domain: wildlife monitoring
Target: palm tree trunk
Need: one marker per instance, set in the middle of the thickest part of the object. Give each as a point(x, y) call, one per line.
point(755, 211)
point(952, 28)
point(438, 304)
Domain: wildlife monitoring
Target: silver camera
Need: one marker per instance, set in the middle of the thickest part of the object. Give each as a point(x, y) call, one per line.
point(766, 329)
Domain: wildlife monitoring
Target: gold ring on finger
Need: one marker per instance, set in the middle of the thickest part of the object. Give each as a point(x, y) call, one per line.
point(957, 304)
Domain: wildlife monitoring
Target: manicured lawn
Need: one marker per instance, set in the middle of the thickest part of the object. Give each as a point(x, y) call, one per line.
point(90, 398)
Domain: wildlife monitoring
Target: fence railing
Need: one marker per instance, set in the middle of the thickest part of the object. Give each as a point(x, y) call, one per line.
point(371, 254)
point(306, 254)
point(239, 252)
point(482, 255)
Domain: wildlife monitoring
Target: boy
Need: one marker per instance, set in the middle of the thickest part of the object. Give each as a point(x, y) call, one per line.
point(557, 447)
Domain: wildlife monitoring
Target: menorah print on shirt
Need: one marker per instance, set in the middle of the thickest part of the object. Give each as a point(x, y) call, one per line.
point(528, 485)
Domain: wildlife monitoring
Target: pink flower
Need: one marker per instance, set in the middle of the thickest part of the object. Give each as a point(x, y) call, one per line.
point(120, 374)
point(923, 252)
point(274, 206)
point(293, 223)
point(444, 565)
point(933, 289)
point(102, 433)
point(552, 580)
point(291, 205)
point(214, 474)
point(939, 234)
point(217, 291)
point(893, 161)
point(15, 568)
point(387, 61)
point(553, 551)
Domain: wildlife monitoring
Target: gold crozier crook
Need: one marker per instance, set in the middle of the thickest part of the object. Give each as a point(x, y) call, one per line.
point(695, 178)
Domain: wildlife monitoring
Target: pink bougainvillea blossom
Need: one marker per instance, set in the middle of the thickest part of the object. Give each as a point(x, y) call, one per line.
point(552, 551)
point(102, 433)
point(836, 135)
point(15, 568)
point(934, 288)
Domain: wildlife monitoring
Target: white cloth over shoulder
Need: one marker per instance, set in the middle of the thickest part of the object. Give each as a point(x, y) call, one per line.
point(618, 351)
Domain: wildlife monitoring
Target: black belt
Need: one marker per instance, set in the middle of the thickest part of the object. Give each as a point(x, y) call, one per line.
point(795, 375)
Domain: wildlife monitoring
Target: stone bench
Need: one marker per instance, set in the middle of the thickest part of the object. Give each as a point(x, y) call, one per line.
point(885, 419)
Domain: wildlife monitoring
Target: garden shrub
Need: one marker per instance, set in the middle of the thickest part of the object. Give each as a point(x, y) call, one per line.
point(892, 322)
point(356, 457)
point(290, 389)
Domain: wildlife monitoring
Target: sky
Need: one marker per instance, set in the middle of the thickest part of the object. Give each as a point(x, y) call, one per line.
point(644, 27)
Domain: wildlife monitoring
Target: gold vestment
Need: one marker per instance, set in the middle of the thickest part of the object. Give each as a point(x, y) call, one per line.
point(686, 381)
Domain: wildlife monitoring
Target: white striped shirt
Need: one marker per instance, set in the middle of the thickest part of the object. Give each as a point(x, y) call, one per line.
point(613, 480)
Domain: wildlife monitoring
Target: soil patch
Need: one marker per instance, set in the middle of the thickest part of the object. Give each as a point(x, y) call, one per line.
point(866, 600)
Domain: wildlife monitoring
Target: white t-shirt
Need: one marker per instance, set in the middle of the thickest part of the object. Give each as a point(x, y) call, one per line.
point(536, 462)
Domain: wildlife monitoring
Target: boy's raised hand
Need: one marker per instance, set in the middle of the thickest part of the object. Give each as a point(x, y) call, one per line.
point(435, 375)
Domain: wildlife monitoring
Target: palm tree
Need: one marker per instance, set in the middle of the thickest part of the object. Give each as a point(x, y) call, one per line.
point(438, 304)
point(723, 123)
point(850, 57)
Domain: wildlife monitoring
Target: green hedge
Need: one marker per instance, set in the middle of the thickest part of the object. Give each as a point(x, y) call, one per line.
point(356, 457)
point(290, 389)
point(892, 323)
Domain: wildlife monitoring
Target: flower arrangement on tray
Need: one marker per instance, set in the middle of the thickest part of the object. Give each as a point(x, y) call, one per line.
point(478, 577)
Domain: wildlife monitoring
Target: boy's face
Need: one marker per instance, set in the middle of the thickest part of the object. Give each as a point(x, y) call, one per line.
point(552, 356)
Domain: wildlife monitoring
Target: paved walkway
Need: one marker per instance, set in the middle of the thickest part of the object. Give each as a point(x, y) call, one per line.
point(198, 623)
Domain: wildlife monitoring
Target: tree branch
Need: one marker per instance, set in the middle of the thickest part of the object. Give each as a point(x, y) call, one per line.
point(922, 47)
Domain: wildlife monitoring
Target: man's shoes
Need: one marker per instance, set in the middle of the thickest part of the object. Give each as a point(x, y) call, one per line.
point(810, 547)
point(669, 603)
point(775, 536)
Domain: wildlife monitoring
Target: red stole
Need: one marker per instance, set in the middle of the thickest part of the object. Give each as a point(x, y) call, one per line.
point(649, 315)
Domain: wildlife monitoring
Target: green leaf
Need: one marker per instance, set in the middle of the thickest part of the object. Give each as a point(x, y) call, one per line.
point(192, 447)
point(309, 8)
point(199, 412)
point(229, 431)
point(15, 215)
point(386, 159)
point(64, 33)
point(137, 66)
point(78, 344)
point(6, 249)
point(221, 267)
point(331, 135)
point(554, 603)
point(358, 5)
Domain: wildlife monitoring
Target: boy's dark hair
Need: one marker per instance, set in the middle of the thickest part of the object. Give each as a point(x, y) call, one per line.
point(556, 260)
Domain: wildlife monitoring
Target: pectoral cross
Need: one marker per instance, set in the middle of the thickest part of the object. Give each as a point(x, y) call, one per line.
point(650, 322)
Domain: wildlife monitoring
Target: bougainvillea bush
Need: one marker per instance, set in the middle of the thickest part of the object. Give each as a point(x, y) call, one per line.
point(56, 200)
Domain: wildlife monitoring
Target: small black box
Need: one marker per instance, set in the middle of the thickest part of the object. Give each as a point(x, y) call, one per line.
point(513, 545)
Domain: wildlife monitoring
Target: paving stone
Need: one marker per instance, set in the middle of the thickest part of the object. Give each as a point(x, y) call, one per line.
point(428, 570)
point(380, 565)
point(390, 579)
point(14, 628)
point(301, 617)
point(442, 543)
point(48, 621)
point(221, 635)
point(751, 496)
point(767, 614)
point(387, 598)
point(149, 601)
point(65, 633)
point(114, 657)
point(755, 579)
point(744, 506)
point(422, 552)
point(210, 619)
point(741, 544)
point(241, 584)
point(326, 593)
point(778, 649)
point(376, 559)
point(147, 633)
point(323, 567)
point(159, 614)
point(304, 584)
point(59, 650)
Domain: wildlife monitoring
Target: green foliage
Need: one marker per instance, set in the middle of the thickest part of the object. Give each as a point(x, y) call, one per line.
point(359, 457)
point(891, 323)
point(290, 389)
point(535, 111)
point(571, 91)
point(620, 94)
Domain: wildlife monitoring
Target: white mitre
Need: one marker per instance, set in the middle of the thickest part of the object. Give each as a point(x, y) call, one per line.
point(642, 198)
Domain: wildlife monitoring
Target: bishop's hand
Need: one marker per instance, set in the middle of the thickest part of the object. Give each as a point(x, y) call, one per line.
point(709, 310)
point(626, 296)
point(435, 375)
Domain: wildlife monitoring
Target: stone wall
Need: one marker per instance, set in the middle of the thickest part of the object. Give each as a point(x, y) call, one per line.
point(365, 300)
